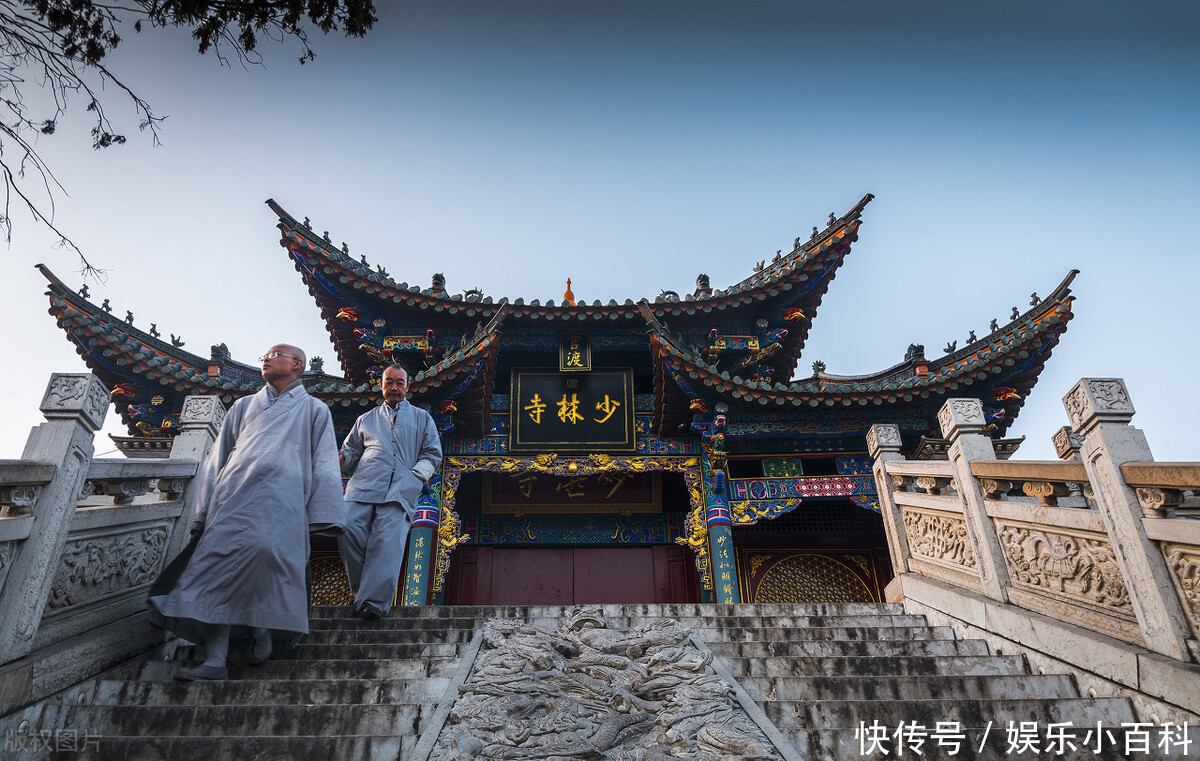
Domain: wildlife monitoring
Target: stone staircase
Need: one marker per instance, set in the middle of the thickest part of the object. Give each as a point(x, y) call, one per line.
point(369, 690)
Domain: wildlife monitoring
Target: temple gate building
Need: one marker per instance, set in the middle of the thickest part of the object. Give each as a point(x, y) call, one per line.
point(659, 451)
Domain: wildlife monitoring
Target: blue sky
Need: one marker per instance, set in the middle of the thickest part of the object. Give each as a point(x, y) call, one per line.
point(631, 146)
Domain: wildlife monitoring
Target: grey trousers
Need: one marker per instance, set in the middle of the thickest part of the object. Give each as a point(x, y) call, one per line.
point(372, 550)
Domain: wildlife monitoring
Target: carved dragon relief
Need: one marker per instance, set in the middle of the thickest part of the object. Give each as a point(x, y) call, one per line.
point(941, 538)
point(1079, 568)
point(98, 566)
point(584, 690)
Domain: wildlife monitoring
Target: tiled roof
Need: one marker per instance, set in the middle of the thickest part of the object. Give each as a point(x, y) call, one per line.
point(1011, 357)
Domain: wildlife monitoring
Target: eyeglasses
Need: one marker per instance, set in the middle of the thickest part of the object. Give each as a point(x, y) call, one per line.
point(273, 354)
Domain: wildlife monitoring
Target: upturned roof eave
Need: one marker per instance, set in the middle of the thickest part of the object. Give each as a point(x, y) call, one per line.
point(901, 383)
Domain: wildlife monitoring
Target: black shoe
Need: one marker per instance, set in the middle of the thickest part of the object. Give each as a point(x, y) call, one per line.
point(369, 612)
point(201, 673)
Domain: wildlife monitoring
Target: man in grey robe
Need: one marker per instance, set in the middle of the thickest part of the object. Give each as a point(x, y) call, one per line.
point(392, 451)
point(271, 478)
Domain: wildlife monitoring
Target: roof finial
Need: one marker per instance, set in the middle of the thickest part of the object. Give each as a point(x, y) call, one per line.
point(568, 297)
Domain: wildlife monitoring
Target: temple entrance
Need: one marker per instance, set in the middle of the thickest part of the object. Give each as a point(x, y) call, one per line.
point(571, 575)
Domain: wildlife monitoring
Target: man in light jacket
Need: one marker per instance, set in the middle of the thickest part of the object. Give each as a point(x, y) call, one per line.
point(392, 451)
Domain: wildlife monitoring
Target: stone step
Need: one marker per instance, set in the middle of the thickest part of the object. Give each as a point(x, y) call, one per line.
point(650, 610)
point(910, 687)
point(884, 668)
point(244, 720)
point(626, 621)
point(312, 651)
point(835, 714)
point(318, 669)
point(977, 744)
point(257, 748)
point(849, 648)
point(278, 691)
point(363, 635)
point(841, 633)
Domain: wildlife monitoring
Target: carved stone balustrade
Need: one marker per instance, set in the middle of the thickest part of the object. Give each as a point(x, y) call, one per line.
point(1165, 489)
point(125, 479)
point(21, 482)
point(1094, 558)
point(1046, 481)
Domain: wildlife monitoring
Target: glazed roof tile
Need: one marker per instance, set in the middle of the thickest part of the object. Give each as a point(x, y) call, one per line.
point(159, 361)
point(1019, 349)
point(801, 277)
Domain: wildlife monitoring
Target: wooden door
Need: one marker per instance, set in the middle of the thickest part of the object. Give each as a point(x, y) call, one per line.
point(571, 575)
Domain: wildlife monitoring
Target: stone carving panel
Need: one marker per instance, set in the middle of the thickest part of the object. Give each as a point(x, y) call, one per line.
point(1067, 443)
point(880, 437)
point(1105, 398)
point(18, 500)
point(1184, 562)
point(80, 394)
point(95, 567)
point(1079, 568)
point(961, 415)
point(202, 410)
point(940, 538)
point(585, 691)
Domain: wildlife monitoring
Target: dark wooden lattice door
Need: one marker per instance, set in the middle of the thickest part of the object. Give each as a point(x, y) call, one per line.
point(570, 575)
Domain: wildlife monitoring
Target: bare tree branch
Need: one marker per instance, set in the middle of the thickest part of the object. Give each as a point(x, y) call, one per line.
point(58, 47)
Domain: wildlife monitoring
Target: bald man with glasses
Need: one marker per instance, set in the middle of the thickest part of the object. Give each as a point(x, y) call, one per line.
point(271, 478)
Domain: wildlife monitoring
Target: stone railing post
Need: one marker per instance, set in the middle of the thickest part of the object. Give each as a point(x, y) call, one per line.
point(1100, 411)
point(883, 443)
point(74, 405)
point(962, 422)
point(199, 425)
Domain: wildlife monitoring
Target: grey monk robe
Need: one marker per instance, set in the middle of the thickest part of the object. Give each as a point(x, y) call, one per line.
point(391, 453)
point(272, 474)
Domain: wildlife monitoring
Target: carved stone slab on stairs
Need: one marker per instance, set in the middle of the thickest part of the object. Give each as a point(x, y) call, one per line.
point(587, 691)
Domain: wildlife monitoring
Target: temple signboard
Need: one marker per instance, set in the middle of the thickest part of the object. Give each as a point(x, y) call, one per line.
point(572, 412)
